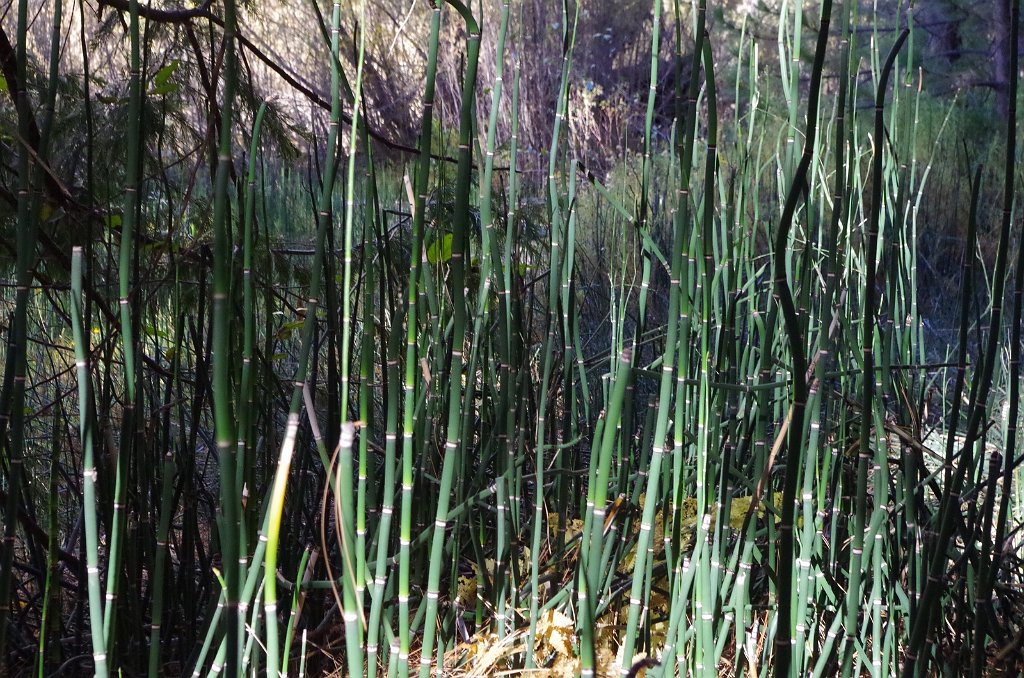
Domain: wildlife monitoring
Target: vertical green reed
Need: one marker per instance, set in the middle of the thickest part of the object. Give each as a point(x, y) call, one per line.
point(245, 433)
point(508, 484)
point(365, 493)
point(493, 269)
point(353, 577)
point(795, 445)
point(12, 398)
point(392, 391)
point(275, 505)
point(978, 405)
point(556, 220)
point(129, 219)
point(708, 430)
point(90, 501)
point(454, 438)
point(50, 590)
point(409, 387)
point(685, 133)
point(223, 356)
point(854, 594)
point(1001, 464)
point(167, 481)
point(590, 555)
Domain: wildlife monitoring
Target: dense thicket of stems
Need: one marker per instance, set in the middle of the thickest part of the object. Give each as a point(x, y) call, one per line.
point(12, 395)
point(500, 410)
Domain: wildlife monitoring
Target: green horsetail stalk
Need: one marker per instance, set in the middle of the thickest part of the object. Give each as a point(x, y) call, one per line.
point(353, 576)
point(924, 620)
point(706, 427)
point(1009, 457)
point(275, 509)
point(12, 397)
point(870, 311)
point(244, 448)
point(51, 586)
point(166, 506)
point(421, 189)
point(89, 495)
point(556, 217)
point(794, 333)
point(129, 342)
point(384, 526)
point(597, 497)
point(453, 447)
point(223, 356)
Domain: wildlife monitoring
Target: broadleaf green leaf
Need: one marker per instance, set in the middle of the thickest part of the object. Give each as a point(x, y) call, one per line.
point(440, 249)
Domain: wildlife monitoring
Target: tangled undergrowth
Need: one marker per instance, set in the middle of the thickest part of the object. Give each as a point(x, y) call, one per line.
point(489, 418)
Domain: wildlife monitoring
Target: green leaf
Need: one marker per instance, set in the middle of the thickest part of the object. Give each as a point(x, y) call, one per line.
point(161, 90)
point(155, 332)
point(288, 328)
point(3, 84)
point(162, 80)
point(440, 249)
point(164, 74)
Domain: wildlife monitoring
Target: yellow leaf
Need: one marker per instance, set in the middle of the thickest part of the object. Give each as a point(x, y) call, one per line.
point(466, 593)
point(564, 667)
point(524, 559)
point(607, 667)
point(556, 629)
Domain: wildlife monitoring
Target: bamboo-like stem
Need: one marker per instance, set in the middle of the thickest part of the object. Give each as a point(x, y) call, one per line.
point(702, 414)
point(554, 274)
point(596, 509)
point(275, 509)
point(353, 577)
point(870, 311)
point(49, 586)
point(166, 510)
point(915, 664)
point(412, 324)
point(384, 526)
point(456, 405)
point(129, 219)
point(300, 576)
point(796, 340)
point(1013, 404)
point(507, 496)
point(244, 447)
point(89, 474)
point(993, 544)
point(223, 358)
point(365, 493)
point(12, 397)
